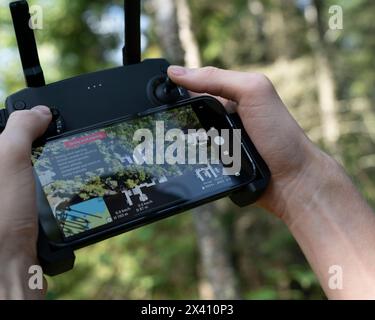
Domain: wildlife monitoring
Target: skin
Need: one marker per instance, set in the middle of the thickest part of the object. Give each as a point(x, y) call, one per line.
point(309, 190)
point(18, 213)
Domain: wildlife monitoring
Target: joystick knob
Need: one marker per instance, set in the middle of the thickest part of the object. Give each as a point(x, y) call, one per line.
point(57, 124)
point(167, 91)
point(161, 90)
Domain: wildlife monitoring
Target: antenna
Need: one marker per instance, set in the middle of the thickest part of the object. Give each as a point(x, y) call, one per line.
point(131, 52)
point(26, 44)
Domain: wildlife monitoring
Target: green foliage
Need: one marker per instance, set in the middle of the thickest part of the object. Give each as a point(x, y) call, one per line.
point(155, 262)
point(161, 260)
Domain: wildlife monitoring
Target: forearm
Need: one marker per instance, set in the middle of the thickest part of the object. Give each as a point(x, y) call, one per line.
point(334, 226)
point(16, 281)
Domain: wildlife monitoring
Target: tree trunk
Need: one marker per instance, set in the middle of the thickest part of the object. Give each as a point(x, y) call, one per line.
point(218, 275)
point(217, 272)
point(325, 79)
point(167, 30)
point(256, 9)
point(189, 44)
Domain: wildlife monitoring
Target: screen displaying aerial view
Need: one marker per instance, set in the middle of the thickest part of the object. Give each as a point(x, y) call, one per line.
point(93, 179)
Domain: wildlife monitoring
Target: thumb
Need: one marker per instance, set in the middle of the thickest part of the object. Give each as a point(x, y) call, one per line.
point(23, 127)
point(218, 82)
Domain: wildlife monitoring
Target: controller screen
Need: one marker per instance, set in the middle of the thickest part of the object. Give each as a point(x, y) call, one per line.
point(94, 179)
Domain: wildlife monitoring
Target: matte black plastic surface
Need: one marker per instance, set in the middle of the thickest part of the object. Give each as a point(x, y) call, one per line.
point(54, 260)
point(26, 44)
point(254, 190)
point(95, 97)
point(131, 52)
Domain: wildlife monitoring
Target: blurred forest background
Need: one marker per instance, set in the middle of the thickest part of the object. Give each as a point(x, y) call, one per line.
point(326, 78)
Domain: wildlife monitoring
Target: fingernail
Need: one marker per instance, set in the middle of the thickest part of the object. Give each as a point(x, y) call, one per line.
point(178, 70)
point(42, 109)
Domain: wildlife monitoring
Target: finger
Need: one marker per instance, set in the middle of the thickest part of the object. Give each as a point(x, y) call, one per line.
point(229, 105)
point(223, 83)
point(222, 100)
point(23, 127)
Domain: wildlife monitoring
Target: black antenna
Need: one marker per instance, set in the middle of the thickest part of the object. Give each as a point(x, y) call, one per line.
point(26, 44)
point(131, 52)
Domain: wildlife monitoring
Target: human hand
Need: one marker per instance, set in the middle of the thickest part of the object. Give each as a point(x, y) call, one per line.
point(18, 209)
point(276, 135)
point(309, 191)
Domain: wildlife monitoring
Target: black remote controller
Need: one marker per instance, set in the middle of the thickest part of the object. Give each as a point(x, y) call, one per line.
point(101, 96)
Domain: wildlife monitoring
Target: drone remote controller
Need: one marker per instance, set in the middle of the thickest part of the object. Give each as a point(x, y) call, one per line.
point(92, 98)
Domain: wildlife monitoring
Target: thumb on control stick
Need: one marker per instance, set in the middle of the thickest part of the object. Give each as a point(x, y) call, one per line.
point(23, 127)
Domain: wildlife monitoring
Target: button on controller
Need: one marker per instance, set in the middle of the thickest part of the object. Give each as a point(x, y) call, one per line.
point(161, 90)
point(19, 105)
point(57, 125)
point(55, 113)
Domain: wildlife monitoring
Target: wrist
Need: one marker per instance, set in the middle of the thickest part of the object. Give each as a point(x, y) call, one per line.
point(313, 188)
point(333, 226)
point(299, 192)
point(17, 276)
point(17, 247)
point(17, 255)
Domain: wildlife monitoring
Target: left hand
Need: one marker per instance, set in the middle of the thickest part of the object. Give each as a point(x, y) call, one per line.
point(18, 208)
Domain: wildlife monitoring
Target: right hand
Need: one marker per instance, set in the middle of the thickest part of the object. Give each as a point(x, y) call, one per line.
point(332, 223)
point(282, 143)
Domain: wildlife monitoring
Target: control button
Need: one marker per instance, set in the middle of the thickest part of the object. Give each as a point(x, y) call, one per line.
point(19, 105)
point(161, 90)
point(55, 113)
